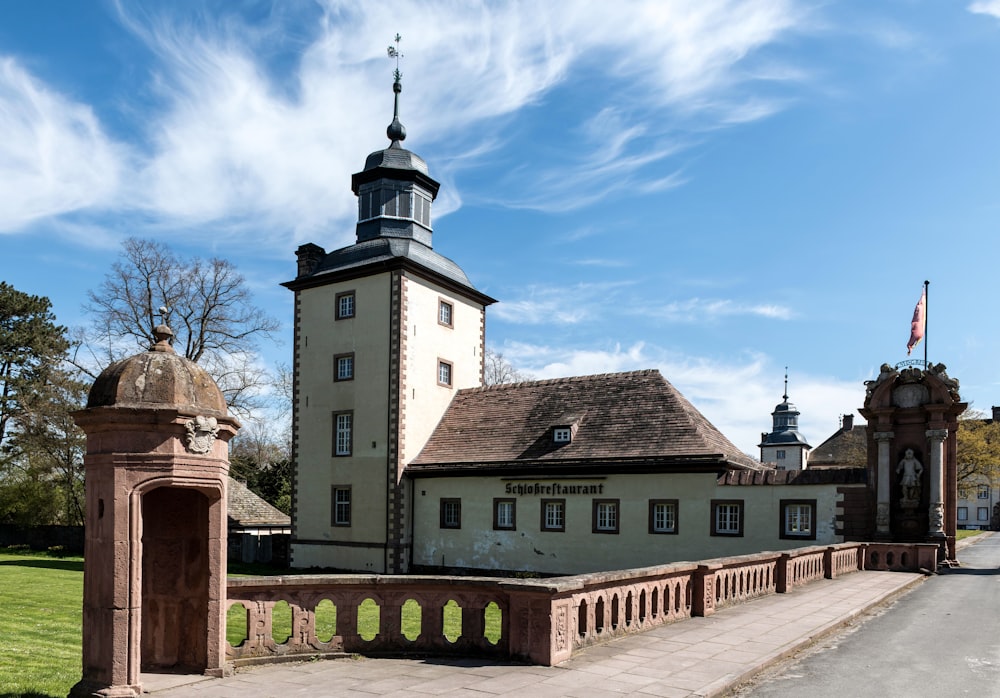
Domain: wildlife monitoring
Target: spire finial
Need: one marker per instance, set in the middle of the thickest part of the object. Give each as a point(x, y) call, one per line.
point(785, 396)
point(396, 132)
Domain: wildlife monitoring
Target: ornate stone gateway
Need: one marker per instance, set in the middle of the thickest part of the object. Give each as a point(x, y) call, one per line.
point(912, 430)
point(155, 545)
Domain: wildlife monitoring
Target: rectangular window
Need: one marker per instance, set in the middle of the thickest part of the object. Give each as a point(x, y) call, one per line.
point(345, 305)
point(444, 373)
point(553, 514)
point(983, 492)
point(798, 519)
point(963, 513)
point(389, 202)
point(341, 505)
point(343, 367)
point(562, 435)
point(964, 493)
point(780, 455)
point(727, 517)
point(451, 513)
point(983, 514)
point(605, 519)
point(342, 423)
point(445, 310)
point(504, 514)
point(663, 516)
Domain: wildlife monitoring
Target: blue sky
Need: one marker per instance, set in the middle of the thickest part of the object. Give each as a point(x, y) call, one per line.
point(717, 189)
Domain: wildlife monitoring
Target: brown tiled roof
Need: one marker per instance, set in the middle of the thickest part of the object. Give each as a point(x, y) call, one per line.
point(246, 509)
point(846, 445)
point(623, 420)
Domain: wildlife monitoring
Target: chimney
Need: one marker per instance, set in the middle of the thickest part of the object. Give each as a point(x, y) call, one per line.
point(996, 413)
point(308, 256)
point(848, 422)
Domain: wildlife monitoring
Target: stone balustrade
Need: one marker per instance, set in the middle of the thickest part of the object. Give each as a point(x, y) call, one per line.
point(537, 620)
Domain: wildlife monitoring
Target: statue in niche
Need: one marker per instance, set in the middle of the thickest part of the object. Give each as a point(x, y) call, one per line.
point(912, 469)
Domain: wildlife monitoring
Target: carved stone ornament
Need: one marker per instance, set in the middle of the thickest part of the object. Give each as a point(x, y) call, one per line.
point(201, 434)
point(936, 515)
point(882, 515)
point(910, 395)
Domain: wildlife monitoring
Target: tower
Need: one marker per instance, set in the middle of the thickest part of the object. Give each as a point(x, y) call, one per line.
point(784, 446)
point(386, 330)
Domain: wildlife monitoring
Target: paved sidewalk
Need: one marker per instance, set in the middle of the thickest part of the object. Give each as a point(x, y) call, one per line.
point(694, 657)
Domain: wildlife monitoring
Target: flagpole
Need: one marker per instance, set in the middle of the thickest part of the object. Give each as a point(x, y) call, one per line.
point(926, 286)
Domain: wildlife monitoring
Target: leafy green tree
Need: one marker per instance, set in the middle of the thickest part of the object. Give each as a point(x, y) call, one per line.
point(31, 348)
point(978, 449)
point(264, 464)
point(41, 449)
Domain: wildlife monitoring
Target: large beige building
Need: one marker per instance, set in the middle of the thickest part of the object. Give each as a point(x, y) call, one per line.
point(403, 461)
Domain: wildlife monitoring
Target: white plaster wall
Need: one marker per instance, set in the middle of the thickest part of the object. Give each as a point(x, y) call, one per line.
point(427, 341)
point(795, 456)
point(477, 545)
point(321, 338)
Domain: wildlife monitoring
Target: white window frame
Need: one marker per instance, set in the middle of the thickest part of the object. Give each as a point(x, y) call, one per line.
point(605, 516)
point(343, 428)
point(504, 514)
point(341, 505)
point(342, 362)
point(346, 305)
point(983, 514)
point(451, 512)
point(553, 515)
point(446, 313)
point(663, 516)
point(727, 517)
point(445, 373)
point(963, 513)
point(983, 492)
point(562, 435)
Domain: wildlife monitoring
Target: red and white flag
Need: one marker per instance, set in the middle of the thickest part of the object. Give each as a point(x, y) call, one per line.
point(919, 324)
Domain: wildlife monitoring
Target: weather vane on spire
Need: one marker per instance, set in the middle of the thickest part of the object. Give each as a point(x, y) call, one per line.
point(394, 52)
point(396, 131)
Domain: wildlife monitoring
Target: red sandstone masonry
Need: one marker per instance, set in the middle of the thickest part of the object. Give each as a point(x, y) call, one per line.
point(543, 621)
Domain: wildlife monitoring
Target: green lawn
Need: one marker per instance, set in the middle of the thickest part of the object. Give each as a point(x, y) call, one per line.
point(959, 535)
point(42, 599)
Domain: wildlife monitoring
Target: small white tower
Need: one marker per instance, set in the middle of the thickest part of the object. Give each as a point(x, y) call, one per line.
point(784, 447)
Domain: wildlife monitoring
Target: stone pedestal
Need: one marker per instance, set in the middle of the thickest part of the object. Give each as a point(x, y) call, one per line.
point(912, 418)
point(156, 472)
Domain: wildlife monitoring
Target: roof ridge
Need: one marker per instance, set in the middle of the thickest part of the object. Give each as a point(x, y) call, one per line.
point(562, 379)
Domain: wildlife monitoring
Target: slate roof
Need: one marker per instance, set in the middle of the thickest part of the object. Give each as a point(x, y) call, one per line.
point(844, 446)
point(247, 510)
point(630, 422)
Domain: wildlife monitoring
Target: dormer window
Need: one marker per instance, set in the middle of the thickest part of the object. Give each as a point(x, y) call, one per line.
point(562, 435)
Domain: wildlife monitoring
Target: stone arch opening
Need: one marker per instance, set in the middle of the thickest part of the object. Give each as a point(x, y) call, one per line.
point(175, 580)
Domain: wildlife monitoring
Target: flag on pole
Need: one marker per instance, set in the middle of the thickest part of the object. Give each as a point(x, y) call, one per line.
point(919, 324)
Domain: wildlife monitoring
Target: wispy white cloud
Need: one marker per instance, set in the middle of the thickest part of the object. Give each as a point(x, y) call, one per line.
point(233, 138)
point(737, 395)
point(559, 305)
point(55, 157)
point(588, 302)
point(702, 309)
point(986, 7)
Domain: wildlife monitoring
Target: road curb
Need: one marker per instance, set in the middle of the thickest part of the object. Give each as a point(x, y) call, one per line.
point(725, 685)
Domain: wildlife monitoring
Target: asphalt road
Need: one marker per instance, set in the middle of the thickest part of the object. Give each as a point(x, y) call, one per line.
point(942, 639)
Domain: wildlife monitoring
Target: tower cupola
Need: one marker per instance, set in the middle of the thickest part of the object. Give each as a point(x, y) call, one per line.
point(394, 189)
